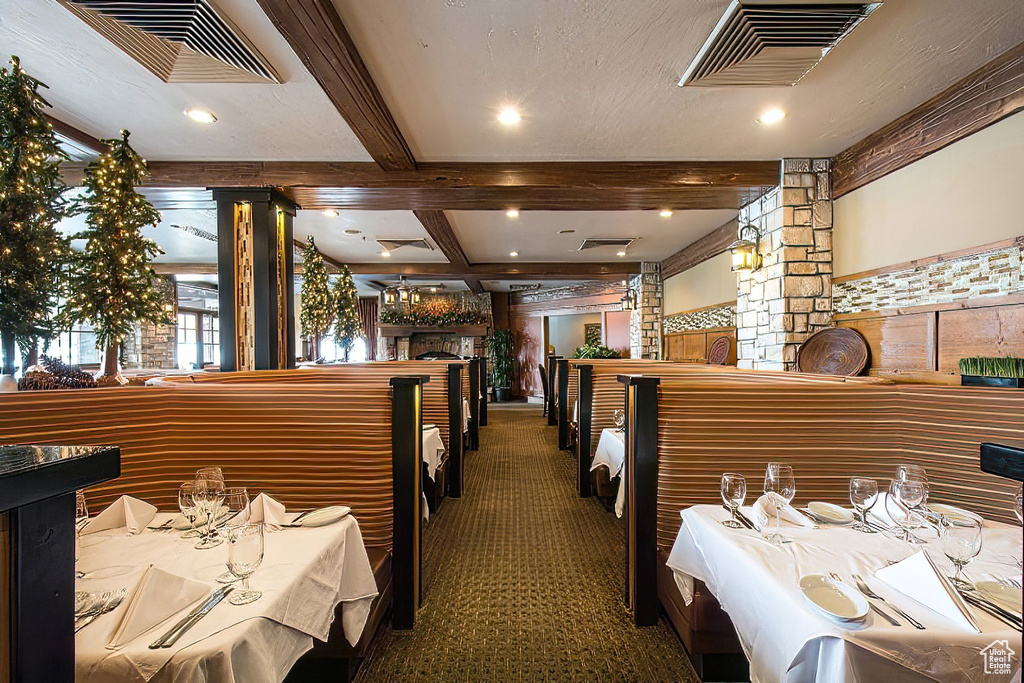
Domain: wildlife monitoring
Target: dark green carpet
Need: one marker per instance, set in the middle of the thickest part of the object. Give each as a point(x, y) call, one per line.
point(523, 579)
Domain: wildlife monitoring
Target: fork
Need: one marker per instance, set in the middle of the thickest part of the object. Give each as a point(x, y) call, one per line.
point(872, 605)
point(108, 605)
point(866, 590)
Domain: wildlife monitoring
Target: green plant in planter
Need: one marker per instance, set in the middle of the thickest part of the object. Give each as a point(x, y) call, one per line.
point(502, 363)
point(596, 351)
point(992, 367)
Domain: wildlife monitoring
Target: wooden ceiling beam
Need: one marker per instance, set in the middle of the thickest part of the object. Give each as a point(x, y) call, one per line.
point(708, 246)
point(537, 271)
point(475, 285)
point(316, 33)
point(987, 95)
point(440, 230)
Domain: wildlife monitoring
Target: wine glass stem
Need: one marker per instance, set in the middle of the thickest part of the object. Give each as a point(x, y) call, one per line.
point(245, 582)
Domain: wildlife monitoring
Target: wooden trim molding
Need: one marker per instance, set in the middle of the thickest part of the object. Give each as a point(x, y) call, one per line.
point(932, 260)
point(979, 302)
point(986, 96)
point(698, 310)
point(707, 247)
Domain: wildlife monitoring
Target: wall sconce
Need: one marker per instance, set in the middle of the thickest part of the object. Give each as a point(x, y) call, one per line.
point(746, 251)
point(414, 296)
point(390, 297)
point(628, 300)
point(403, 291)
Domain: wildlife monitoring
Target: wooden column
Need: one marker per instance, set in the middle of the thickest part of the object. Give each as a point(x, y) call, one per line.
point(549, 367)
point(255, 268)
point(474, 404)
point(585, 401)
point(407, 459)
point(562, 378)
point(641, 509)
point(455, 464)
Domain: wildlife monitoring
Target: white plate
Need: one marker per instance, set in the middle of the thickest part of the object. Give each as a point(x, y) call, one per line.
point(833, 598)
point(1007, 597)
point(325, 516)
point(954, 514)
point(829, 513)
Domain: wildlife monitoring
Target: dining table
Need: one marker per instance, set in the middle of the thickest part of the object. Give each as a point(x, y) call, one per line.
point(785, 638)
point(305, 573)
point(611, 453)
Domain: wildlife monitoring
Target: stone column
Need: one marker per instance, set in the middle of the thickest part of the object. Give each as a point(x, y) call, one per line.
point(779, 305)
point(645, 321)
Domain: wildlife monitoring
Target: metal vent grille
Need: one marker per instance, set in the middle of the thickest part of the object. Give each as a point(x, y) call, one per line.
point(772, 44)
point(178, 40)
point(623, 242)
point(391, 245)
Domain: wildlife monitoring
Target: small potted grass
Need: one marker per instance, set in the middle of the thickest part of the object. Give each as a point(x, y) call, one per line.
point(992, 372)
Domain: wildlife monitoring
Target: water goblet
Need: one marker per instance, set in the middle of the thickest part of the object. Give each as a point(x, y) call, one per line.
point(900, 502)
point(734, 491)
point(212, 474)
point(245, 553)
point(209, 503)
point(961, 543)
point(187, 505)
point(909, 472)
point(779, 479)
point(863, 494)
point(236, 504)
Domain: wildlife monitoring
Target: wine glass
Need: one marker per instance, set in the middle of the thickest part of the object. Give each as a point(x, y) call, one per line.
point(236, 503)
point(619, 418)
point(213, 474)
point(81, 519)
point(210, 504)
point(863, 494)
point(734, 491)
point(903, 497)
point(187, 505)
point(961, 543)
point(908, 472)
point(245, 553)
point(779, 480)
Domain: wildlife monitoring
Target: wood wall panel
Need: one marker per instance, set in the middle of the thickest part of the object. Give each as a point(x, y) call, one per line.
point(993, 331)
point(693, 347)
point(905, 342)
point(310, 444)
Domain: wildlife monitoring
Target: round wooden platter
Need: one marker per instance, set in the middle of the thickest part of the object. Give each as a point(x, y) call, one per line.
point(719, 352)
point(836, 351)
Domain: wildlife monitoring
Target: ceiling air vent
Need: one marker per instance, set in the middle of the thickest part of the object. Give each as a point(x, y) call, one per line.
point(181, 41)
point(772, 44)
point(391, 245)
point(623, 243)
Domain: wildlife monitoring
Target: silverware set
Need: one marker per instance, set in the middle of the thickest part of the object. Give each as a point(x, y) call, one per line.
point(191, 619)
point(871, 595)
point(973, 597)
point(874, 608)
point(103, 603)
point(295, 522)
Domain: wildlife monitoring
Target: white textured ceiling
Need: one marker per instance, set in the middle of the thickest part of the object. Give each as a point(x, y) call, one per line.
point(598, 80)
point(506, 285)
point(100, 89)
point(179, 246)
point(489, 236)
point(330, 237)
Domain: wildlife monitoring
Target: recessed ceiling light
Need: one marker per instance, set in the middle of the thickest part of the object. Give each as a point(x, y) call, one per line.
point(665, 213)
point(513, 253)
point(352, 231)
point(509, 116)
point(200, 115)
point(620, 253)
point(385, 253)
point(331, 212)
point(512, 213)
point(771, 116)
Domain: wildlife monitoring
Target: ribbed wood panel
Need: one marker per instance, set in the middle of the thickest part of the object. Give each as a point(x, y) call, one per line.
point(829, 432)
point(573, 391)
point(307, 445)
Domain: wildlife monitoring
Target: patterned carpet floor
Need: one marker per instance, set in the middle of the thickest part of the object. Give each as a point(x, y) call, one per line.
point(523, 579)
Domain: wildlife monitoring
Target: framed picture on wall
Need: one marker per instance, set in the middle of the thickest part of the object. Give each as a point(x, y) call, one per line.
point(592, 334)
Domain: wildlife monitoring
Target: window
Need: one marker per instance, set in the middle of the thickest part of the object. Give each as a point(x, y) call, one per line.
point(211, 339)
point(333, 352)
point(188, 346)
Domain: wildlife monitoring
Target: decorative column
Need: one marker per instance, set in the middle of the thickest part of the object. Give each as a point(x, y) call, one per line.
point(790, 296)
point(645, 321)
point(256, 273)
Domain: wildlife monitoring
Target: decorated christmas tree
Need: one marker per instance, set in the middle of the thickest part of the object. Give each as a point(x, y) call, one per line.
point(347, 327)
point(33, 253)
point(317, 312)
point(113, 285)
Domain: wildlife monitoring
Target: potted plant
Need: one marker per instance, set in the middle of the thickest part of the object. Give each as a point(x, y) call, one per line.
point(596, 351)
point(502, 364)
point(992, 372)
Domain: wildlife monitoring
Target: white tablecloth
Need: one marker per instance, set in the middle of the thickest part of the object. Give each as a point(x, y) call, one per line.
point(611, 453)
point(787, 640)
point(465, 415)
point(305, 573)
point(433, 449)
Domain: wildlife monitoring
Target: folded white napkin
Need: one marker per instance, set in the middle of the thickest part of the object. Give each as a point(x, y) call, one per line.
point(265, 509)
point(130, 513)
point(878, 513)
point(325, 516)
point(764, 512)
point(157, 596)
point(918, 577)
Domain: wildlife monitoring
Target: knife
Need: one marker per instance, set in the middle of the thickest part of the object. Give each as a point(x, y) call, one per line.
point(741, 517)
point(195, 619)
point(215, 596)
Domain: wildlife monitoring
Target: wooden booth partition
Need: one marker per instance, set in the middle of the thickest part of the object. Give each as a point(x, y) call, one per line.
point(694, 346)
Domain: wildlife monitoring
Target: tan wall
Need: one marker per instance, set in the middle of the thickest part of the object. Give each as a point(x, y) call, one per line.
point(565, 332)
point(707, 284)
point(959, 197)
point(616, 330)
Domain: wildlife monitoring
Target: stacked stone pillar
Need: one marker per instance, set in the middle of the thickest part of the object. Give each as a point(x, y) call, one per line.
point(779, 305)
point(645, 321)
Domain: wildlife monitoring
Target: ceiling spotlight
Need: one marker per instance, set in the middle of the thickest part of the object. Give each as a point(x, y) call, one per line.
point(200, 116)
point(331, 212)
point(513, 253)
point(771, 116)
point(665, 213)
point(509, 116)
point(620, 253)
point(512, 213)
point(385, 253)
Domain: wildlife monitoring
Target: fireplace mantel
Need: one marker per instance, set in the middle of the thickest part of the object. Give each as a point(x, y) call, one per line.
point(409, 330)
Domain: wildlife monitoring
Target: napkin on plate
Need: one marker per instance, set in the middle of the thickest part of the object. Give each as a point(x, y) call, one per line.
point(764, 512)
point(128, 512)
point(265, 509)
point(917, 577)
point(157, 596)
